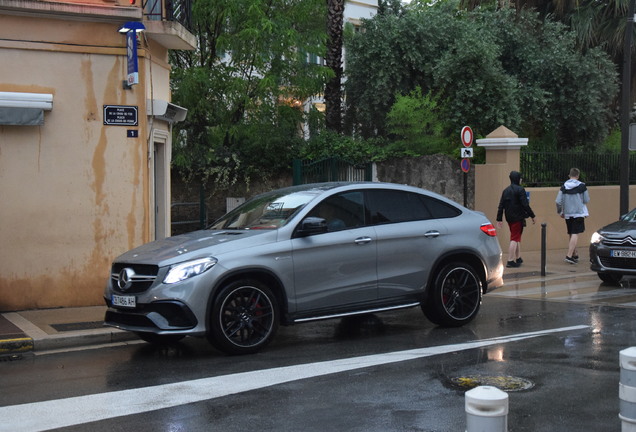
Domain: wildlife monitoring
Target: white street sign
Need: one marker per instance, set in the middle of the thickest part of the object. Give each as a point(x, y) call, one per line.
point(466, 152)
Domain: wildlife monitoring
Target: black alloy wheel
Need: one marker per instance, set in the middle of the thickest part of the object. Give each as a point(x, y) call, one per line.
point(455, 296)
point(244, 318)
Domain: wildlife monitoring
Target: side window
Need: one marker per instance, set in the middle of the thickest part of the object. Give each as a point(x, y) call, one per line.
point(440, 209)
point(391, 206)
point(345, 210)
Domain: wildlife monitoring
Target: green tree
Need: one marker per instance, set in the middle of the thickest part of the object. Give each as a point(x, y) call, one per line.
point(486, 68)
point(244, 86)
point(418, 125)
point(597, 24)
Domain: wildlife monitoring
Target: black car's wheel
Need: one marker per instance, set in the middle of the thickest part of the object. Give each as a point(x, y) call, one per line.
point(244, 318)
point(455, 296)
point(159, 339)
point(610, 278)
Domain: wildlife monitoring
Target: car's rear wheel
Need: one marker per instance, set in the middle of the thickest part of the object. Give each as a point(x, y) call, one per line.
point(159, 339)
point(244, 317)
point(610, 278)
point(455, 296)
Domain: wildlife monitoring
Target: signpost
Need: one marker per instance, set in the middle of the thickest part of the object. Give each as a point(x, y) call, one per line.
point(465, 165)
point(467, 136)
point(466, 153)
point(120, 115)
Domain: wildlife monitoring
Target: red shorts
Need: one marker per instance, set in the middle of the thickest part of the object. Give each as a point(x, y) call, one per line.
point(516, 229)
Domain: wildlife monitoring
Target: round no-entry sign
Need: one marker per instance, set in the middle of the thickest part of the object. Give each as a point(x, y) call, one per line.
point(467, 136)
point(465, 164)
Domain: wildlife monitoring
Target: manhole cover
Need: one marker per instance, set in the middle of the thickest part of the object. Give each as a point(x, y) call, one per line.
point(503, 383)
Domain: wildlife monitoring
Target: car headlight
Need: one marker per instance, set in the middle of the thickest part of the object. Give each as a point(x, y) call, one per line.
point(188, 269)
point(596, 238)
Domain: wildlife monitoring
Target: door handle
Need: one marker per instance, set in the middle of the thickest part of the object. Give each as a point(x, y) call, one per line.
point(431, 234)
point(363, 240)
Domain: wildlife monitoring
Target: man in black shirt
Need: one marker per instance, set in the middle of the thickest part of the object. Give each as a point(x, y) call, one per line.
point(514, 203)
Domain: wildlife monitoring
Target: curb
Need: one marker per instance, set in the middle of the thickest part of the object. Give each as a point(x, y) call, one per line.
point(82, 339)
point(16, 345)
point(27, 344)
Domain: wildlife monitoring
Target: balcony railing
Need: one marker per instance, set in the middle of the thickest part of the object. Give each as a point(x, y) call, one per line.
point(169, 10)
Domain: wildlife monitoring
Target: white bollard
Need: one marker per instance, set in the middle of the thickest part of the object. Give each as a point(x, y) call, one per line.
point(486, 410)
point(627, 390)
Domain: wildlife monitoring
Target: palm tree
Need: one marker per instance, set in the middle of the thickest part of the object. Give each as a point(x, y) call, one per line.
point(333, 59)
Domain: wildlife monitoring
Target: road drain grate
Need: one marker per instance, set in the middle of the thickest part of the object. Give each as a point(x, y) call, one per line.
point(503, 383)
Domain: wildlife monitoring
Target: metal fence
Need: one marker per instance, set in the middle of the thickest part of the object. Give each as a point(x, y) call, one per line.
point(552, 169)
point(330, 169)
point(188, 216)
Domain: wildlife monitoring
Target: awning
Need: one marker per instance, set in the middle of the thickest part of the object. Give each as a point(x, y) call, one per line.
point(21, 116)
point(24, 109)
point(166, 111)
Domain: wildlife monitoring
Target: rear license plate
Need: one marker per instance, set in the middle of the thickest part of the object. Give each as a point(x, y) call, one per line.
point(623, 253)
point(124, 301)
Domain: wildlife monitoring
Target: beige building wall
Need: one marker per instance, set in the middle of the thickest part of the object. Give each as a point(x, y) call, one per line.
point(604, 208)
point(75, 193)
point(502, 156)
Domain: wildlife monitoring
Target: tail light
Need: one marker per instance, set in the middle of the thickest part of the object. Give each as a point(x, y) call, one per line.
point(489, 229)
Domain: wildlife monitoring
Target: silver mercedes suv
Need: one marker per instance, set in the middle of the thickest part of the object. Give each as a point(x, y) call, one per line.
point(306, 253)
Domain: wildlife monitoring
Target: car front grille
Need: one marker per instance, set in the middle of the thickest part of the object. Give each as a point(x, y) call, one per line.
point(143, 277)
point(618, 263)
point(623, 241)
point(166, 315)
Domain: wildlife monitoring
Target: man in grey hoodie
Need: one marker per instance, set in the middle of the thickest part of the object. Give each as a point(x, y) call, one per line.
point(571, 205)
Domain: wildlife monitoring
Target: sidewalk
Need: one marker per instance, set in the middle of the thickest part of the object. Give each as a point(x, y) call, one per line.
point(52, 329)
point(63, 328)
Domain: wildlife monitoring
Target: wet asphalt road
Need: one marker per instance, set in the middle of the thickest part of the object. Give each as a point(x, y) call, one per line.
point(573, 374)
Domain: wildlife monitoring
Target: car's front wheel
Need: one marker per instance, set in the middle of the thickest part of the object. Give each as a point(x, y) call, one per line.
point(610, 278)
point(244, 317)
point(455, 296)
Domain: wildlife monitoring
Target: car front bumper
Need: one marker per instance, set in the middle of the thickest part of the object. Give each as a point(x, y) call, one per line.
point(601, 261)
point(162, 309)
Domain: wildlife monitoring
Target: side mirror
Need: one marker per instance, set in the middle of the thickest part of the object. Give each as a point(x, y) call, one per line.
point(310, 226)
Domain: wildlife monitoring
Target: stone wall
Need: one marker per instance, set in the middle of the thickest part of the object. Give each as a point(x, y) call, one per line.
point(437, 173)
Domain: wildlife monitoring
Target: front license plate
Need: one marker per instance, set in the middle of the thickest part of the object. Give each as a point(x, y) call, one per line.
point(623, 253)
point(124, 301)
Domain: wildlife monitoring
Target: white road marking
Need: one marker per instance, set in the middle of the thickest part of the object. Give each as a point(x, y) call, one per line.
point(46, 415)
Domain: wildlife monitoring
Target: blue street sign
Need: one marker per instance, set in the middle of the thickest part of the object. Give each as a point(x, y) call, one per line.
point(465, 165)
point(131, 54)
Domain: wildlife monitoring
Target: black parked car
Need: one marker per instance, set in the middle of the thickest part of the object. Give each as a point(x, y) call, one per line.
point(613, 249)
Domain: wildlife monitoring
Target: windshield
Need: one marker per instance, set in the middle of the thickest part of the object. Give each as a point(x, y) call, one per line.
point(268, 211)
point(630, 217)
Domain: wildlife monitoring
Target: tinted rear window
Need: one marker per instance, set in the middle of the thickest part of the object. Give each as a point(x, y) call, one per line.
point(390, 206)
point(440, 209)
